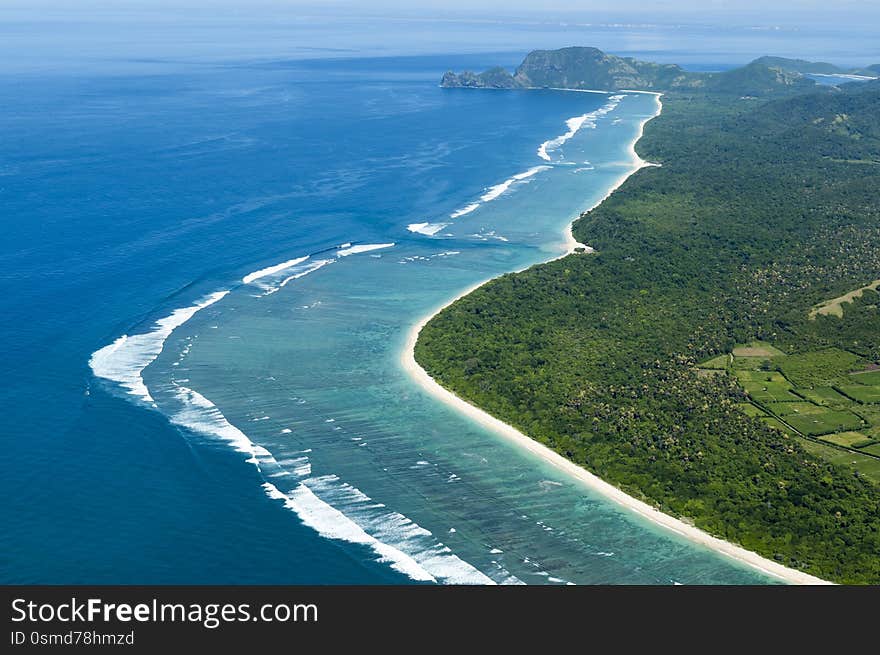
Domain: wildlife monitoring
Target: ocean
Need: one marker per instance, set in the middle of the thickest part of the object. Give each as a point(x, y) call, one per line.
point(209, 270)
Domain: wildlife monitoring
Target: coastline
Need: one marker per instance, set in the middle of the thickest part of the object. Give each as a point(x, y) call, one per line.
point(582, 475)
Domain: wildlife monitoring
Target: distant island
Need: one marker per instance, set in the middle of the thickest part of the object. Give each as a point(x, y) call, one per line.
point(590, 68)
point(718, 356)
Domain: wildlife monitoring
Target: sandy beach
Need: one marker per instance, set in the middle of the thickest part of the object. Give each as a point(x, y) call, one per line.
point(593, 482)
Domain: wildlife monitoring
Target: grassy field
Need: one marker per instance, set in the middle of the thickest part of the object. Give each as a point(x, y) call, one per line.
point(845, 415)
point(760, 349)
point(824, 396)
point(770, 392)
point(860, 392)
point(821, 368)
point(865, 465)
point(719, 362)
point(847, 439)
point(834, 307)
point(762, 376)
point(872, 450)
point(784, 409)
point(749, 363)
point(866, 377)
point(824, 422)
point(778, 425)
point(751, 410)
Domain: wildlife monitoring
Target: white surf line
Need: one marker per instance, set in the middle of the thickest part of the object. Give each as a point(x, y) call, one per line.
point(124, 360)
point(489, 194)
point(305, 265)
point(313, 266)
point(367, 247)
point(395, 539)
point(465, 210)
point(428, 229)
point(589, 480)
point(576, 123)
point(573, 124)
point(271, 270)
point(497, 190)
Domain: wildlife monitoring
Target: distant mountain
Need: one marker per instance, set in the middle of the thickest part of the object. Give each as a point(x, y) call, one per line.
point(494, 78)
point(758, 79)
point(800, 66)
point(579, 68)
point(590, 68)
point(815, 67)
point(870, 71)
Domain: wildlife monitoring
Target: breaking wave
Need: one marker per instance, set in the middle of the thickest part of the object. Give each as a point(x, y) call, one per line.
point(124, 360)
point(576, 123)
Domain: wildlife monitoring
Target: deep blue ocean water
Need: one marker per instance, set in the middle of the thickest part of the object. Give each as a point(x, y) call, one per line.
point(139, 189)
point(122, 194)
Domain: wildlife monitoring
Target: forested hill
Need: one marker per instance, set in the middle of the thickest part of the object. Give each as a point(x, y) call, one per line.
point(800, 65)
point(590, 68)
point(815, 67)
point(762, 211)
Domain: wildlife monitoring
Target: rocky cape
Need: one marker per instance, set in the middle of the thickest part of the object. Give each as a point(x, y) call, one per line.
point(590, 68)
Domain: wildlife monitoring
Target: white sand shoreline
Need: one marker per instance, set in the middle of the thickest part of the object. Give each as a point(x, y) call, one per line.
point(593, 482)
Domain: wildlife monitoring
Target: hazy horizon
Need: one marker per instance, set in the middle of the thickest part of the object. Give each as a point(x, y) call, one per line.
point(55, 34)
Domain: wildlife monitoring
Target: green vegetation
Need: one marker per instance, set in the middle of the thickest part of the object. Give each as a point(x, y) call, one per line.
point(718, 363)
point(590, 68)
point(750, 410)
point(823, 412)
point(776, 424)
point(758, 349)
point(848, 439)
point(860, 393)
point(866, 466)
point(866, 377)
point(754, 218)
point(825, 421)
point(797, 408)
point(822, 369)
point(824, 396)
point(834, 307)
point(800, 65)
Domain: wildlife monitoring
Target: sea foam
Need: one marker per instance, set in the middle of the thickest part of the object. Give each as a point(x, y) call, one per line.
point(311, 267)
point(577, 123)
point(367, 247)
point(333, 508)
point(465, 210)
point(268, 278)
point(272, 270)
point(495, 191)
point(124, 360)
point(428, 229)
point(489, 194)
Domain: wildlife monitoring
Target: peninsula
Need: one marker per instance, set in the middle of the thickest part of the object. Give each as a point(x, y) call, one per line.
point(590, 68)
point(683, 362)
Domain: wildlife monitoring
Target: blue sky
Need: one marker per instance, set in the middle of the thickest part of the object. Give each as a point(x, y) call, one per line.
point(787, 13)
point(47, 34)
point(755, 8)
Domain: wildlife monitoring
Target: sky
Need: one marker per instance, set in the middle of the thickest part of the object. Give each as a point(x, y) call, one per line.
point(785, 13)
point(61, 33)
point(753, 8)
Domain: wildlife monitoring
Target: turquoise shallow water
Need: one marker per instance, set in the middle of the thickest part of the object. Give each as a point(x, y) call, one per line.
point(310, 373)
